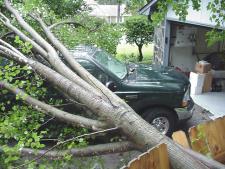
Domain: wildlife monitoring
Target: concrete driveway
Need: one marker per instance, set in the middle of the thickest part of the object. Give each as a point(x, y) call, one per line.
point(199, 116)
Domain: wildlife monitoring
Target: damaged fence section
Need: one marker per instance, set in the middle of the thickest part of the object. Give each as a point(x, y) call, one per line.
point(155, 158)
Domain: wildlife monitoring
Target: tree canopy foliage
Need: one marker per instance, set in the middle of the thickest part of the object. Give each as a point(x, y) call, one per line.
point(79, 24)
point(92, 31)
point(139, 30)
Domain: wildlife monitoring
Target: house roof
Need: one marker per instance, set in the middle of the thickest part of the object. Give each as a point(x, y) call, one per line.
point(146, 10)
point(107, 10)
point(201, 17)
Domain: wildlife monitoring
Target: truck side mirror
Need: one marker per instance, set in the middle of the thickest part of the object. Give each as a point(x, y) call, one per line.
point(111, 85)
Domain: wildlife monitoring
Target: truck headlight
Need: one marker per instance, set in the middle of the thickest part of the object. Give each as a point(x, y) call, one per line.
point(186, 97)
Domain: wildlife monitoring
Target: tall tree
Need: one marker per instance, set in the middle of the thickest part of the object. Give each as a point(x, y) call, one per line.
point(139, 31)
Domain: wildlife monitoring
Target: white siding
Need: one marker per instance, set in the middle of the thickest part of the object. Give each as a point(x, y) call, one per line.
point(201, 17)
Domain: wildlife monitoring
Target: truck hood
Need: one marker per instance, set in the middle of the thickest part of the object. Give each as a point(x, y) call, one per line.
point(152, 73)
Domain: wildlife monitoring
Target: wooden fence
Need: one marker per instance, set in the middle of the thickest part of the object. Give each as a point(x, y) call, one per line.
point(155, 158)
point(207, 138)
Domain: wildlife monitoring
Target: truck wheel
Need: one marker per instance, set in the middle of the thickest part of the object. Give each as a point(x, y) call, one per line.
point(164, 120)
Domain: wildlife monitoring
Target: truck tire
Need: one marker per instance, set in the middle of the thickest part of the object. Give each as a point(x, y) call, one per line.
point(164, 120)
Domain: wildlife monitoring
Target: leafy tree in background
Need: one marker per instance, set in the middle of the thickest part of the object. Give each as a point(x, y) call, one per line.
point(65, 8)
point(139, 30)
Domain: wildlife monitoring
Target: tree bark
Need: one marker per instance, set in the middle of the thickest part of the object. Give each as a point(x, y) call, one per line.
point(76, 24)
point(93, 150)
point(140, 57)
point(212, 164)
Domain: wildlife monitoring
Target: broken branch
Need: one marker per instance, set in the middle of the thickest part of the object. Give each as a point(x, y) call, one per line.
point(61, 115)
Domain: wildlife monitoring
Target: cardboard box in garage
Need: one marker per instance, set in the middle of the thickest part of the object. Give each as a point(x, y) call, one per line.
point(207, 86)
point(202, 67)
point(200, 82)
point(197, 82)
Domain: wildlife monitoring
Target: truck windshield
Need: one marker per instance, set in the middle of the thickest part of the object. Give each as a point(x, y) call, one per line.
point(106, 60)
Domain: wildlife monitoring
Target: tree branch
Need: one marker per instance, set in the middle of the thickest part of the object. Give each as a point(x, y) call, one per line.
point(53, 57)
point(5, 19)
point(41, 59)
point(40, 40)
point(93, 102)
point(65, 22)
point(8, 53)
point(10, 47)
point(94, 150)
point(15, 57)
point(66, 53)
point(7, 34)
point(41, 70)
point(24, 37)
point(72, 23)
point(19, 60)
point(61, 115)
point(64, 142)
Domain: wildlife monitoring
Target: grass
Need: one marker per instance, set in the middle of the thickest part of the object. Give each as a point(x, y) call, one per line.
point(128, 52)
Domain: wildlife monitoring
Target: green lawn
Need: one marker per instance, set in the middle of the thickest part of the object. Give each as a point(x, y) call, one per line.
point(128, 52)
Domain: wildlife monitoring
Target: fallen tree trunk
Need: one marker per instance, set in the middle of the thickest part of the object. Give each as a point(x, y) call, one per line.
point(212, 164)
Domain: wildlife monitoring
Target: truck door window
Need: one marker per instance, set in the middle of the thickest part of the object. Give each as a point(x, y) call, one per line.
point(94, 70)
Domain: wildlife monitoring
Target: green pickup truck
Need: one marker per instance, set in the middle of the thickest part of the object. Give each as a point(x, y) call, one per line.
point(159, 94)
